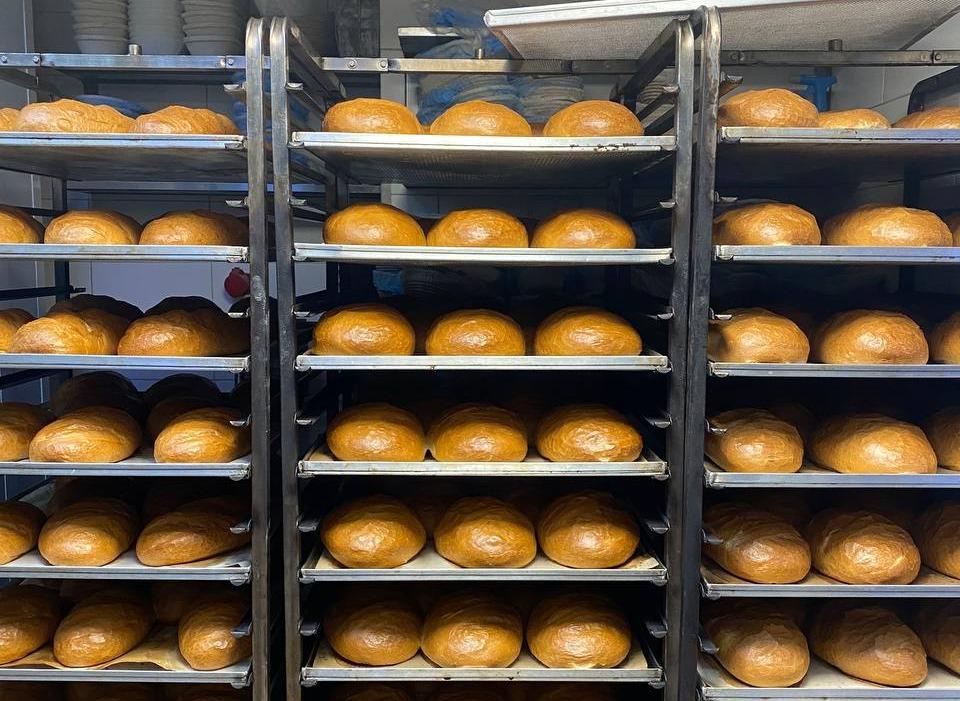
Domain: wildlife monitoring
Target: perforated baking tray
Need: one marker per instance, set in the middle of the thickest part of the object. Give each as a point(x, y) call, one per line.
point(824, 370)
point(811, 476)
point(649, 361)
point(141, 465)
point(59, 251)
point(235, 364)
point(838, 255)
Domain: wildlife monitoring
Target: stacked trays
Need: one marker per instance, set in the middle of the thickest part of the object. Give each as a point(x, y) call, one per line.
point(100, 26)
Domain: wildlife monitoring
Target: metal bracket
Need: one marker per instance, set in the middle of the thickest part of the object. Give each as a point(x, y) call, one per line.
point(709, 537)
point(656, 524)
point(242, 527)
point(657, 628)
point(705, 643)
point(662, 420)
point(715, 430)
point(242, 630)
point(309, 628)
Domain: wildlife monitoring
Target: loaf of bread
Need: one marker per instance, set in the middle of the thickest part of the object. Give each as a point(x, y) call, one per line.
point(85, 332)
point(883, 225)
point(96, 389)
point(373, 627)
point(184, 120)
point(477, 433)
point(203, 436)
point(20, 525)
point(766, 224)
point(594, 118)
point(373, 224)
point(475, 332)
point(939, 628)
point(945, 341)
point(485, 532)
point(371, 115)
point(937, 532)
point(19, 423)
point(93, 227)
point(871, 443)
point(16, 226)
point(933, 118)
point(28, 617)
point(586, 331)
point(10, 321)
point(753, 440)
point(587, 433)
point(363, 329)
point(169, 409)
point(182, 332)
point(192, 532)
point(578, 630)
point(867, 336)
point(376, 432)
point(943, 430)
point(72, 116)
point(583, 228)
point(853, 119)
point(205, 634)
point(88, 533)
point(472, 628)
point(479, 118)
point(774, 107)
point(588, 530)
point(96, 434)
point(372, 532)
point(755, 335)
point(483, 228)
point(198, 227)
point(102, 627)
point(869, 642)
point(8, 117)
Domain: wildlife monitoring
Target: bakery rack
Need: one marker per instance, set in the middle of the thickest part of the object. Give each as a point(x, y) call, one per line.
point(188, 164)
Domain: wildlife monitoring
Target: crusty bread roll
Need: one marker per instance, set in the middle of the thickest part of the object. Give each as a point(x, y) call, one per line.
point(587, 433)
point(363, 329)
point(8, 117)
point(861, 547)
point(16, 226)
point(198, 227)
point(376, 432)
point(19, 423)
point(28, 617)
point(176, 119)
point(766, 224)
point(477, 433)
point(169, 409)
point(88, 533)
point(373, 627)
point(472, 628)
point(943, 430)
point(475, 332)
point(945, 341)
point(102, 627)
point(759, 643)
point(373, 224)
point(99, 388)
point(588, 530)
point(485, 532)
point(775, 107)
point(583, 228)
point(372, 532)
point(937, 532)
point(871, 443)
point(89, 435)
point(594, 118)
point(586, 331)
point(484, 228)
point(72, 116)
point(852, 119)
point(868, 336)
point(578, 630)
point(869, 642)
point(184, 332)
point(93, 227)
point(192, 532)
point(205, 634)
point(479, 118)
point(933, 118)
point(883, 225)
point(203, 436)
point(20, 525)
point(756, 545)
point(938, 626)
point(755, 335)
point(10, 321)
point(86, 332)
point(371, 115)
point(753, 440)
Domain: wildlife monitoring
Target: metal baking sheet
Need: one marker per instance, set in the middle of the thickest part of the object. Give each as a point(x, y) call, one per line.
point(464, 161)
point(61, 251)
point(838, 255)
point(891, 372)
point(234, 364)
point(649, 360)
point(126, 156)
point(140, 465)
point(811, 476)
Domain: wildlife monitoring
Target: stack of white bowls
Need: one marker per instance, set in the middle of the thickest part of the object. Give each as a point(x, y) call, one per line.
point(213, 27)
point(156, 26)
point(100, 26)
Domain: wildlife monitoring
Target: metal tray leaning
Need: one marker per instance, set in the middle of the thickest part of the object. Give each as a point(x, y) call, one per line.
point(811, 476)
point(648, 360)
point(428, 160)
point(234, 364)
point(141, 465)
point(62, 251)
point(932, 371)
point(838, 255)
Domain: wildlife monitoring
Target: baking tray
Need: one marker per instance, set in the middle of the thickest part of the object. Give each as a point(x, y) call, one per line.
point(648, 360)
point(891, 372)
point(838, 255)
point(141, 465)
point(63, 251)
point(234, 364)
point(811, 476)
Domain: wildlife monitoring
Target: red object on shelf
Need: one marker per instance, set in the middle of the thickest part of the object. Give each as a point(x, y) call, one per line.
point(237, 283)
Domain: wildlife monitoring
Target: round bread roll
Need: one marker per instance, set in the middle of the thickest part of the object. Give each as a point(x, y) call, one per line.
point(97, 389)
point(588, 530)
point(169, 409)
point(176, 119)
point(872, 337)
point(363, 329)
point(376, 432)
point(945, 341)
point(583, 228)
point(205, 634)
point(8, 117)
point(93, 227)
point(102, 628)
point(369, 691)
point(853, 119)
point(881, 225)
point(871, 444)
point(373, 224)
point(472, 628)
point(937, 532)
point(754, 335)
point(203, 436)
point(938, 627)
point(594, 118)
point(861, 547)
point(869, 642)
point(587, 433)
point(578, 630)
point(10, 321)
point(373, 628)
point(479, 118)
point(483, 228)
point(775, 107)
point(72, 116)
point(90, 435)
point(933, 118)
point(19, 423)
point(943, 430)
point(475, 332)
point(16, 226)
point(766, 224)
point(373, 532)
point(186, 333)
point(88, 533)
point(477, 433)
point(86, 332)
point(198, 227)
point(193, 532)
point(586, 331)
point(20, 525)
point(753, 440)
point(29, 616)
point(756, 545)
point(485, 532)
point(371, 115)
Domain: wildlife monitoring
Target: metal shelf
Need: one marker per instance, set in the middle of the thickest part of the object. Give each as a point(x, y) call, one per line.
point(501, 161)
point(838, 255)
point(648, 361)
point(141, 465)
point(890, 372)
point(58, 251)
point(811, 476)
point(234, 364)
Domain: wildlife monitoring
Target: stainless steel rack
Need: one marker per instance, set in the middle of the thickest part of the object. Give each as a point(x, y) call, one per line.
point(234, 364)
point(890, 372)
point(141, 465)
point(837, 255)
point(811, 476)
point(648, 361)
point(128, 254)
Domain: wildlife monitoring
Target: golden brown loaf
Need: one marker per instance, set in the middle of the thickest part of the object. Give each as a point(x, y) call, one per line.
point(485, 532)
point(371, 115)
point(203, 436)
point(372, 627)
point(205, 634)
point(183, 120)
point(472, 628)
point(182, 332)
point(88, 533)
point(853, 119)
point(93, 227)
point(373, 224)
point(938, 626)
point(586, 331)
point(943, 430)
point(945, 341)
point(775, 107)
point(871, 443)
point(594, 118)
point(19, 423)
point(477, 433)
point(475, 332)
point(881, 225)
point(16, 226)
point(867, 336)
point(89, 435)
point(937, 532)
point(766, 224)
point(588, 530)
point(869, 642)
point(753, 440)
point(102, 627)
point(756, 545)
point(479, 118)
point(195, 531)
point(86, 332)
point(28, 617)
point(759, 644)
point(578, 630)
point(376, 432)
point(583, 228)
point(363, 329)
point(754, 335)
point(375, 531)
point(587, 433)
point(72, 116)
point(195, 228)
point(933, 118)
point(169, 409)
point(8, 117)
point(96, 389)
point(20, 525)
point(861, 547)
point(10, 321)
point(484, 228)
